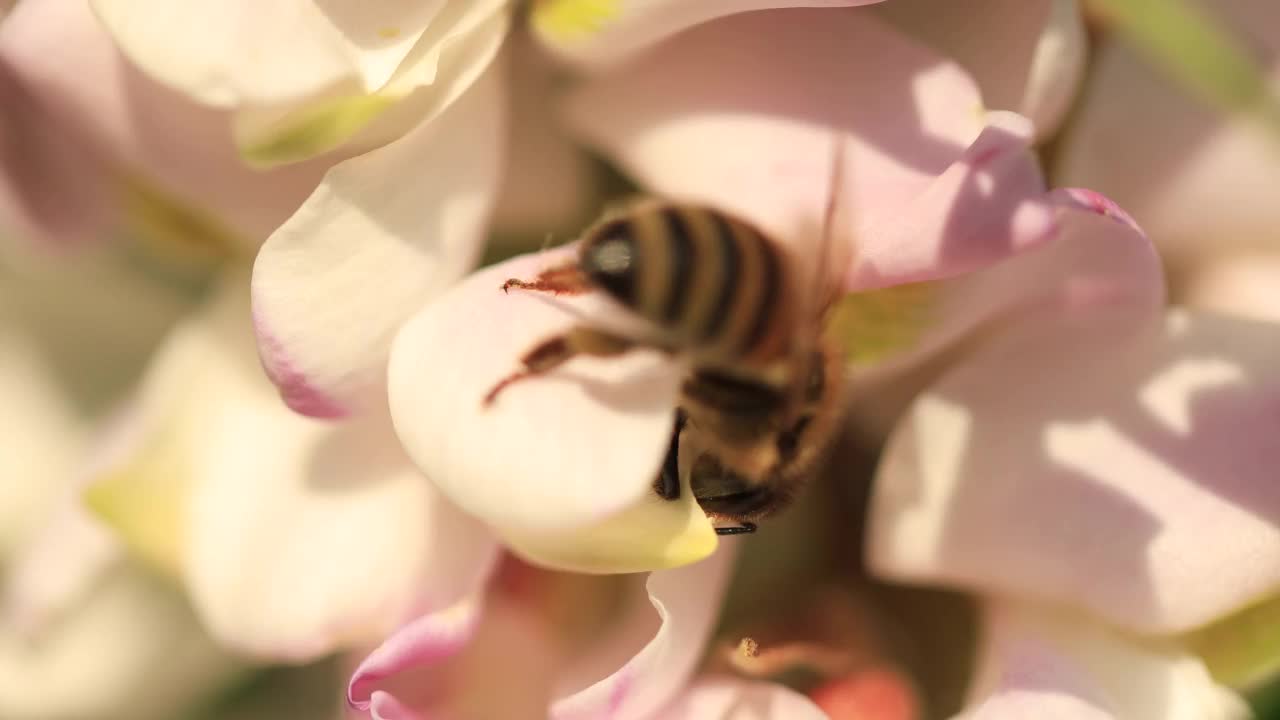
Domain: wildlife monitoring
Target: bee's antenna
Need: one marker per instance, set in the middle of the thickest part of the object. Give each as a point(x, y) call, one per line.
point(835, 188)
point(827, 240)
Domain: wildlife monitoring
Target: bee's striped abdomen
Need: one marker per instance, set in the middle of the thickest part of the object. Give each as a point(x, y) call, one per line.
point(712, 282)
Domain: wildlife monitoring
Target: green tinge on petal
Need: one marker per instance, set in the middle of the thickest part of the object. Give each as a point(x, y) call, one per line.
point(871, 326)
point(144, 501)
point(1243, 650)
point(313, 130)
point(573, 19)
point(654, 534)
point(171, 227)
point(1189, 44)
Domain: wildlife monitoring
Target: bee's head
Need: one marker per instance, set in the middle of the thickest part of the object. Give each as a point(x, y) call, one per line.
point(608, 258)
point(724, 493)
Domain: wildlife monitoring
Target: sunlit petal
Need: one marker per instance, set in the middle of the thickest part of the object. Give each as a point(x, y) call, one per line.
point(1095, 462)
point(687, 601)
point(1038, 664)
point(746, 113)
point(551, 453)
point(294, 536)
point(601, 32)
point(1027, 55)
point(1212, 194)
point(381, 234)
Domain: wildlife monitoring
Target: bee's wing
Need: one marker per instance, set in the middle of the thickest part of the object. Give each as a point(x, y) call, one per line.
point(824, 274)
point(867, 326)
point(873, 325)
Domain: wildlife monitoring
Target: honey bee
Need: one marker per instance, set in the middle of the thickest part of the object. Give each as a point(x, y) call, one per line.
point(764, 395)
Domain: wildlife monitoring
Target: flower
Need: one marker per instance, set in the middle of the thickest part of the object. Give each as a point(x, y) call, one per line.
point(68, 589)
point(1205, 203)
point(94, 148)
point(579, 629)
point(1103, 486)
point(294, 538)
point(739, 110)
point(966, 215)
point(419, 231)
point(921, 209)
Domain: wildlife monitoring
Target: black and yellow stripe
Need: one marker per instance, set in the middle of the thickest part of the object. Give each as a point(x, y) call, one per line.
point(715, 284)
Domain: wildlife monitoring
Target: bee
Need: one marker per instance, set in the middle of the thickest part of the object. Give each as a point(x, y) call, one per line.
point(764, 395)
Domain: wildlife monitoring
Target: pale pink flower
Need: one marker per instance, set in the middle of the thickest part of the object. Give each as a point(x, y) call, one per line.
point(1117, 470)
point(1199, 180)
point(92, 147)
point(739, 112)
point(85, 631)
point(418, 230)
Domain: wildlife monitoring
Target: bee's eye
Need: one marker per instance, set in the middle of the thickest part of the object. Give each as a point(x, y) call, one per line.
point(789, 440)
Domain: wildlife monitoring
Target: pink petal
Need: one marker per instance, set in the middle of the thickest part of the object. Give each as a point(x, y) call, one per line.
point(983, 208)
point(492, 662)
point(294, 537)
point(428, 641)
point(1080, 254)
point(732, 699)
point(129, 648)
point(688, 603)
point(554, 452)
point(51, 182)
point(626, 28)
point(1039, 664)
point(384, 232)
point(1200, 182)
point(1094, 460)
point(745, 112)
point(1027, 55)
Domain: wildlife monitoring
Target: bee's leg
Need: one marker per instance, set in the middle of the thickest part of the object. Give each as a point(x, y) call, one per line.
point(743, 529)
point(557, 350)
point(566, 279)
point(667, 485)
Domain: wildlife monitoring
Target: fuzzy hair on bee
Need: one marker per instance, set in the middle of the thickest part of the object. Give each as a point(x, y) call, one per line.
point(764, 396)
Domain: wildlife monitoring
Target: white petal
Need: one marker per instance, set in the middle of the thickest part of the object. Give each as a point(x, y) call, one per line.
point(130, 649)
point(597, 33)
point(382, 233)
point(1036, 664)
point(688, 602)
point(552, 453)
point(234, 52)
point(447, 59)
point(1094, 465)
point(238, 53)
point(144, 135)
point(295, 536)
point(40, 468)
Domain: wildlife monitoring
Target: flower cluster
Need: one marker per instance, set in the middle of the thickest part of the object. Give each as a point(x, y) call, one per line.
point(254, 303)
